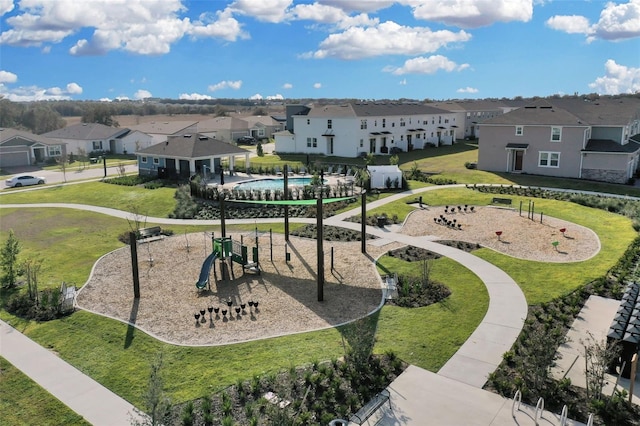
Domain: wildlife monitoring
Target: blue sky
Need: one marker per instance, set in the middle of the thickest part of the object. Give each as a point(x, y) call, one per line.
point(280, 49)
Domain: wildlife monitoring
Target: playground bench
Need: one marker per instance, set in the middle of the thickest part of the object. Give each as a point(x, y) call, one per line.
point(151, 232)
point(505, 201)
point(371, 407)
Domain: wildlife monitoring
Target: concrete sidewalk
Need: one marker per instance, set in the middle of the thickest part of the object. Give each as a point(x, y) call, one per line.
point(97, 404)
point(419, 397)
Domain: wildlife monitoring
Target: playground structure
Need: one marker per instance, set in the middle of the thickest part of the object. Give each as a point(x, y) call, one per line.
point(226, 249)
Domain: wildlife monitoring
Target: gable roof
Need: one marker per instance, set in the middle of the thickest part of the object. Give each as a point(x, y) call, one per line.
point(374, 109)
point(164, 127)
point(192, 146)
point(222, 123)
point(7, 134)
point(572, 112)
point(86, 131)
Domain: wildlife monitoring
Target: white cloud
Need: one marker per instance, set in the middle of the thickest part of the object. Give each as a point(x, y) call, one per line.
point(317, 85)
point(387, 38)
point(263, 10)
point(142, 94)
point(35, 93)
point(403, 82)
point(256, 97)
point(6, 6)
point(276, 97)
point(145, 27)
point(430, 65)
point(617, 22)
point(326, 14)
point(359, 5)
point(194, 96)
point(467, 90)
point(287, 86)
point(235, 85)
point(573, 24)
point(122, 98)
point(617, 79)
point(105, 100)
point(222, 25)
point(7, 77)
point(471, 13)
point(74, 89)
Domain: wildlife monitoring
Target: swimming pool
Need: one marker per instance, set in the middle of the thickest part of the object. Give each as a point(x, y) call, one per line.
point(272, 184)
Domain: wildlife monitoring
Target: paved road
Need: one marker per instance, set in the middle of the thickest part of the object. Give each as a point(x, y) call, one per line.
point(72, 174)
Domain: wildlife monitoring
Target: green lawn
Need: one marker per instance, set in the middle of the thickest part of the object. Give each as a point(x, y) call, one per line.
point(148, 202)
point(429, 336)
point(24, 402)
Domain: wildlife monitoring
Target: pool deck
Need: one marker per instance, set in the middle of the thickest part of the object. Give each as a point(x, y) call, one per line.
point(238, 177)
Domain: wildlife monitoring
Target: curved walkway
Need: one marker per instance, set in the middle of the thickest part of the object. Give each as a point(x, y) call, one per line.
point(480, 354)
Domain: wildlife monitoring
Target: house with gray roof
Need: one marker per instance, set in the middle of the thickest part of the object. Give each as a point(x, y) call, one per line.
point(353, 129)
point(161, 130)
point(188, 154)
point(19, 148)
point(87, 138)
point(566, 137)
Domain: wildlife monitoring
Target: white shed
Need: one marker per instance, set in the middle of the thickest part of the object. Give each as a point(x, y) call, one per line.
point(383, 177)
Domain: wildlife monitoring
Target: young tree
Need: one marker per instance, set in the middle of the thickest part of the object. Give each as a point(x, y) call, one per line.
point(597, 358)
point(394, 160)
point(259, 150)
point(9, 258)
point(32, 268)
point(156, 403)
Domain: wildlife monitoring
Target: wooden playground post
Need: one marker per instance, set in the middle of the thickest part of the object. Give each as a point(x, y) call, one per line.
point(222, 224)
point(319, 237)
point(133, 242)
point(363, 223)
point(286, 197)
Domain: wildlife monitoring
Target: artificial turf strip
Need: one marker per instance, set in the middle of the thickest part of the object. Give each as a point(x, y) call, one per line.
point(24, 402)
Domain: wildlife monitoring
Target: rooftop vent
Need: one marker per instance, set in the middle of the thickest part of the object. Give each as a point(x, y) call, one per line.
point(203, 138)
point(186, 135)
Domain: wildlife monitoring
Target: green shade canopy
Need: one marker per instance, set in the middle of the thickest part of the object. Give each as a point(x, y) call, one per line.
point(310, 202)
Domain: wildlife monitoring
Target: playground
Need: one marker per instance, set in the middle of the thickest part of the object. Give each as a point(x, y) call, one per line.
point(173, 271)
point(286, 292)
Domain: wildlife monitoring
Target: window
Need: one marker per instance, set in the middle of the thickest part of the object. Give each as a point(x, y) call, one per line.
point(54, 151)
point(143, 159)
point(402, 123)
point(308, 142)
point(446, 120)
point(329, 124)
point(156, 161)
point(384, 123)
point(549, 159)
point(97, 145)
point(361, 143)
point(519, 130)
point(393, 124)
point(363, 124)
point(315, 142)
point(556, 134)
point(308, 121)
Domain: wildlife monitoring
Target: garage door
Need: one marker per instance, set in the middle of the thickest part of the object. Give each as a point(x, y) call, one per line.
point(13, 159)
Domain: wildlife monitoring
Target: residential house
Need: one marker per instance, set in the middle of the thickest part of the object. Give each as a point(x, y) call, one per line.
point(470, 113)
point(188, 154)
point(86, 138)
point(19, 148)
point(224, 128)
point(354, 129)
point(161, 130)
point(262, 126)
point(565, 137)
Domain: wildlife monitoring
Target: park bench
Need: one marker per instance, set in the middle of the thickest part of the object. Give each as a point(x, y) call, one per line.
point(371, 407)
point(498, 200)
point(153, 232)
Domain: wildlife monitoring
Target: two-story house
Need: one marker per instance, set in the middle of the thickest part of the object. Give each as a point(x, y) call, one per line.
point(357, 128)
point(572, 138)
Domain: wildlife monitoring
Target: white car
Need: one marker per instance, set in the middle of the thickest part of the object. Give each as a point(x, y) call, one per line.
point(24, 180)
